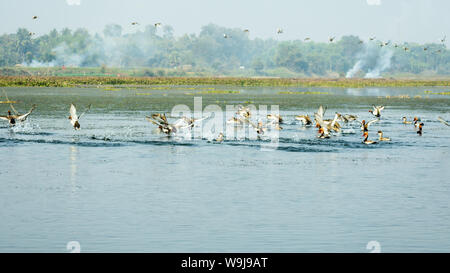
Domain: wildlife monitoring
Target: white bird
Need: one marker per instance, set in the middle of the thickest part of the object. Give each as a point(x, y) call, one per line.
point(74, 118)
point(376, 110)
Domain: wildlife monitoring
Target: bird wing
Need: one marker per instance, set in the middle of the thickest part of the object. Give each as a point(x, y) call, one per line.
point(24, 116)
point(321, 111)
point(87, 110)
point(372, 121)
point(321, 123)
point(73, 113)
point(4, 118)
point(154, 121)
point(443, 121)
point(12, 106)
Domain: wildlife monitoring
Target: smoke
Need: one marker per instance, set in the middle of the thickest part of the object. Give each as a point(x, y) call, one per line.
point(383, 63)
point(372, 60)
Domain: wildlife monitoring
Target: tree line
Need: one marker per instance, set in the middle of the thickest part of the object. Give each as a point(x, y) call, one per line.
point(221, 51)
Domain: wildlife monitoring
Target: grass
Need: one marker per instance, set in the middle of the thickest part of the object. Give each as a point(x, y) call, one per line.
point(109, 82)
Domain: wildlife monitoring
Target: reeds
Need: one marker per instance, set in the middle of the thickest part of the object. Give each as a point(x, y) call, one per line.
point(40, 81)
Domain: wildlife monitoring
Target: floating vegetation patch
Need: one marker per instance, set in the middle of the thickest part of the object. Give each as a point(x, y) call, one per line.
point(447, 93)
point(219, 92)
point(111, 89)
point(303, 93)
point(397, 97)
point(169, 82)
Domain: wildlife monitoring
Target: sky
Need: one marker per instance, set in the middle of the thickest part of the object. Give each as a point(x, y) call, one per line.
point(396, 20)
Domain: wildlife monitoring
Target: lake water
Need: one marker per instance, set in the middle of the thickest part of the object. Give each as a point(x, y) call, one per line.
point(118, 186)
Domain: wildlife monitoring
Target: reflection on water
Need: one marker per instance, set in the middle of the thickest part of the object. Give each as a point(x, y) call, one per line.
point(73, 166)
point(140, 191)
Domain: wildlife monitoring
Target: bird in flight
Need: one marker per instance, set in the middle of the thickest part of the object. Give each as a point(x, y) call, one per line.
point(134, 23)
point(74, 117)
point(157, 24)
point(279, 31)
point(35, 17)
point(331, 39)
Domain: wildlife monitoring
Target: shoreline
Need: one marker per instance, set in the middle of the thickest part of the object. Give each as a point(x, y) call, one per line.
point(76, 81)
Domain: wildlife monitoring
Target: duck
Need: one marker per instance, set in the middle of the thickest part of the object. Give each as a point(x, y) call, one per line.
point(163, 125)
point(331, 39)
point(404, 121)
point(323, 133)
point(13, 119)
point(327, 123)
point(305, 119)
point(279, 30)
point(219, 138)
point(185, 122)
point(419, 131)
point(381, 138)
point(157, 24)
point(275, 118)
point(34, 17)
point(74, 118)
point(347, 118)
point(443, 121)
point(244, 112)
point(416, 121)
point(365, 126)
point(366, 140)
point(376, 110)
point(235, 120)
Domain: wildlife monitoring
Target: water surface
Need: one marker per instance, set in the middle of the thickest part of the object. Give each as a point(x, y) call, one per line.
point(118, 186)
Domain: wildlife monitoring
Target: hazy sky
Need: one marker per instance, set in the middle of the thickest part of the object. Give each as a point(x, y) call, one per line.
point(396, 20)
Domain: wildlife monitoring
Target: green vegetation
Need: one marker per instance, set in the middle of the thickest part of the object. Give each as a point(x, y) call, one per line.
point(108, 83)
point(158, 53)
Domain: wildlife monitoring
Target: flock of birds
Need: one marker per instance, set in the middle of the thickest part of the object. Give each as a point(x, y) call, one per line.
point(326, 127)
point(281, 31)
